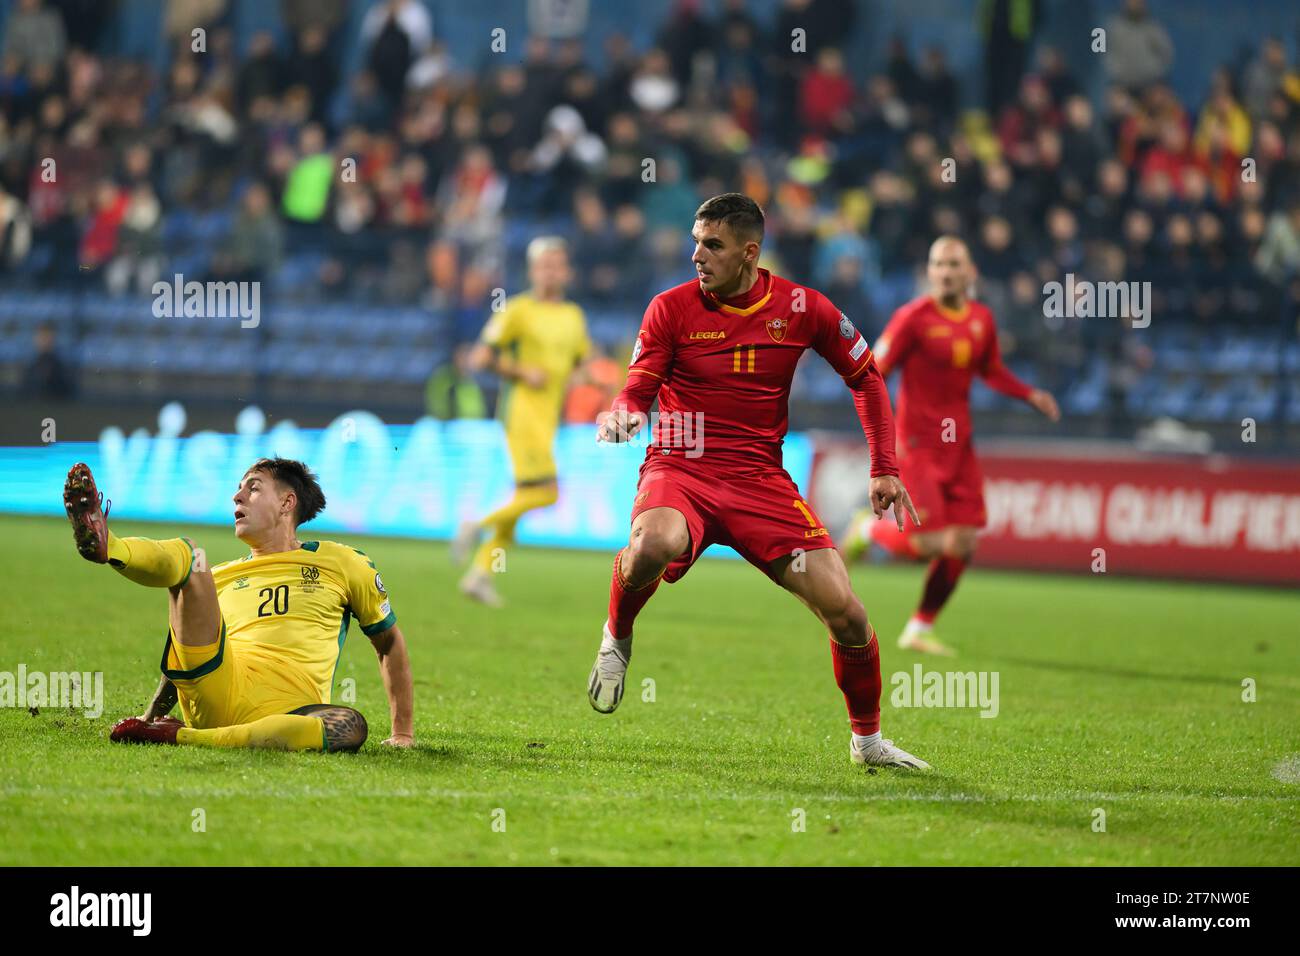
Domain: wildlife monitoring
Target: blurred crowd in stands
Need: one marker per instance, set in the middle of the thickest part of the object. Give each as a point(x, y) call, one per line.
point(418, 177)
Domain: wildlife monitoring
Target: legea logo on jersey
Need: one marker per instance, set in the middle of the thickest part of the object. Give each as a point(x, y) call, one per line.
point(1084, 299)
point(241, 583)
point(75, 909)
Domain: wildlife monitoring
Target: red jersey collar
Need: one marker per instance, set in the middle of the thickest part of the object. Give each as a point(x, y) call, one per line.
point(958, 315)
point(746, 303)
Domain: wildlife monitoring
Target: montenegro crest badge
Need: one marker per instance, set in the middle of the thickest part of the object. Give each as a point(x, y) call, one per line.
point(776, 329)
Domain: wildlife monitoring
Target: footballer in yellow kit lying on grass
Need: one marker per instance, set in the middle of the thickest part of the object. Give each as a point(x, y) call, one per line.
point(253, 643)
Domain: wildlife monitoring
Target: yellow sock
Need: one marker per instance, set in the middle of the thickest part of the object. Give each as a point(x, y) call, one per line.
point(503, 520)
point(276, 732)
point(503, 535)
point(155, 564)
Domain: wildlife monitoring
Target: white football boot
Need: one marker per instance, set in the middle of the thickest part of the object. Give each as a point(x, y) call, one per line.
point(918, 636)
point(477, 586)
point(883, 753)
point(605, 686)
point(466, 540)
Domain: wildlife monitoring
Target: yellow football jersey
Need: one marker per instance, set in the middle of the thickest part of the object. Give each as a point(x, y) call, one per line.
point(294, 607)
point(547, 335)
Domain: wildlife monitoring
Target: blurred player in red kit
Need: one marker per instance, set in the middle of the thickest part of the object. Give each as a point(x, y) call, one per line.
point(940, 342)
point(719, 353)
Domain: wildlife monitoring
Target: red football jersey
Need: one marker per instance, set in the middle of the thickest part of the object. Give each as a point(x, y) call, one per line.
point(939, 352)
point(732, 362)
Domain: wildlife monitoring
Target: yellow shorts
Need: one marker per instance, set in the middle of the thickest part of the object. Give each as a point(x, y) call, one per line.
point(219, 687)
point(533, 457)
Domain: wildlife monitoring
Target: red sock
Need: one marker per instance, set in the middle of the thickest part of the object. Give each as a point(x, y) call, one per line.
point(625, 603)
point(857, 671)
point(940, 582)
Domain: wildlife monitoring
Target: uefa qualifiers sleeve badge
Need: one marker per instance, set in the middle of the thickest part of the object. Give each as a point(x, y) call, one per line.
point(846, 327)
point(636, 352)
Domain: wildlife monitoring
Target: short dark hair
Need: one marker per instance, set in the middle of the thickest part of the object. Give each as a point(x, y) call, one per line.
point(298, 478)
point(742, 214)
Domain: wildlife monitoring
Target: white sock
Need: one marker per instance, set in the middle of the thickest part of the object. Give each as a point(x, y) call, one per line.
point(919, 625)
point(870, 740)
point(608, 641)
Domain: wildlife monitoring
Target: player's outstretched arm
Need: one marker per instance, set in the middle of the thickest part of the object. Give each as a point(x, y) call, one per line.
point(395, 669)
point(1001, 379)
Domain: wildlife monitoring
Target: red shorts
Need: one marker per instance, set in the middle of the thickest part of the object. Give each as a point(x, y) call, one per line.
point(946, 485)
point(761, 514)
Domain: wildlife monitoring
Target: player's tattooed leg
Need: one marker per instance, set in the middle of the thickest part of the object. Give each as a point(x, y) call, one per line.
point(345, 728)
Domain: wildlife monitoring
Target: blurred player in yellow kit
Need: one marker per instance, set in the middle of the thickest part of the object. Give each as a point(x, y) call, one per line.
point(253, 643)
point(535, 344)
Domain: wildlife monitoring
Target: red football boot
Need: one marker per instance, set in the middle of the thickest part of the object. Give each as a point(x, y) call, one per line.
point(82, 500)
point(133, 730)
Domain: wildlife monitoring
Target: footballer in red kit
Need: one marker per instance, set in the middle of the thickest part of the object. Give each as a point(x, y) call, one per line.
point(939, 343)
point(719, 353)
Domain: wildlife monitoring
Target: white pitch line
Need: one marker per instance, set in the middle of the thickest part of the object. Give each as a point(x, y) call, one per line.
point(864, 798)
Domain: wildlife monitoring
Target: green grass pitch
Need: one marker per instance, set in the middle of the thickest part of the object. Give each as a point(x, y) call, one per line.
point(1118, 695)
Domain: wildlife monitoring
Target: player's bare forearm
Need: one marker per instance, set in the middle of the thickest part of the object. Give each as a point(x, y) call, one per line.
point(481, 356)
point(395, 669)
point(164, 699)
point(511, 370)
point(1044, 403)
point(581, 374)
